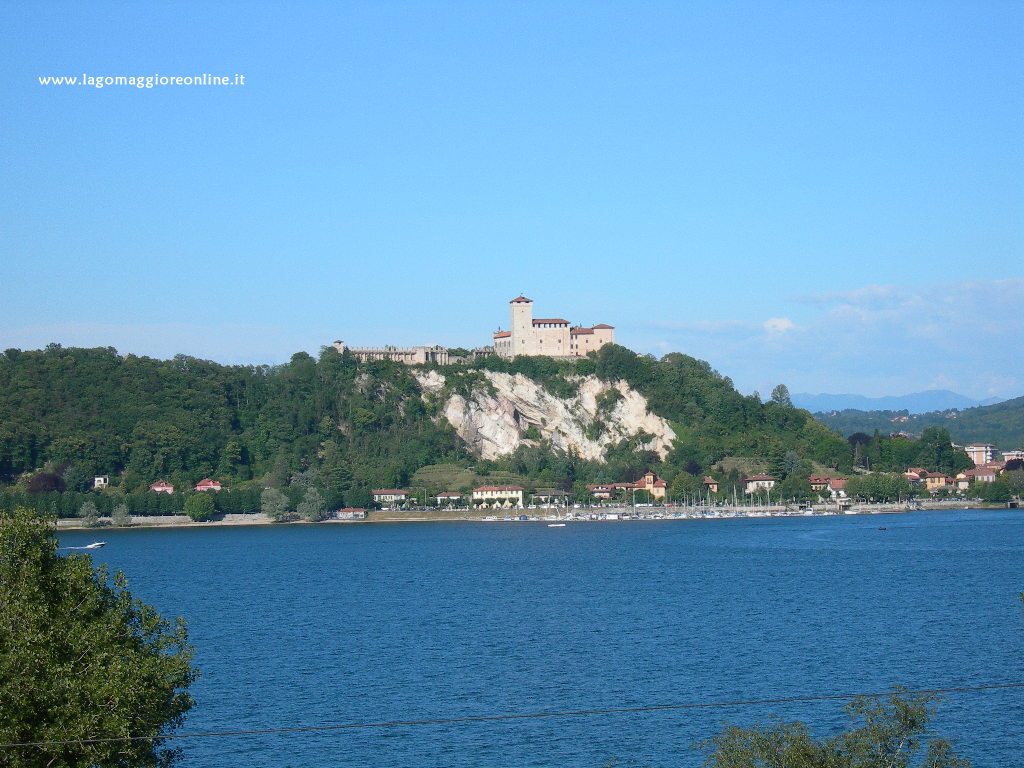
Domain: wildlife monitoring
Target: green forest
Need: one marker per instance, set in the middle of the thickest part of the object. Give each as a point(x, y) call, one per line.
point(1001, 424)
point(344, 427)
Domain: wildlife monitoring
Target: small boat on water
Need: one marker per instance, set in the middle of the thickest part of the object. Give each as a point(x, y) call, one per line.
point(556, 525)
point(94, 545)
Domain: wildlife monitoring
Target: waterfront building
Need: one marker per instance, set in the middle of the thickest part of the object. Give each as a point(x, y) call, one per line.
point(653, 484)
point(448, 499)
point(549, 336)
point(934, 481)
point(837, 487)
point(390, 496)
point(499, 495)
point(819, 482)
point(756, 483)
point(350, 513)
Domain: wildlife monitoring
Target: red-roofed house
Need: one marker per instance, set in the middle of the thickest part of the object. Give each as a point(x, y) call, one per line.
point(653, 484)
point(206, 484)
point(819, 482)
point(162, 486)
point(710, 483)
point(837, 487)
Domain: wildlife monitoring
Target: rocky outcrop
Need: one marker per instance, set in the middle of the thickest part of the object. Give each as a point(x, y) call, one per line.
point(494, 421)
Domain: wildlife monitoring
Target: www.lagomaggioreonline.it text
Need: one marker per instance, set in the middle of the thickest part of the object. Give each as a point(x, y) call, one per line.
point(142, 81)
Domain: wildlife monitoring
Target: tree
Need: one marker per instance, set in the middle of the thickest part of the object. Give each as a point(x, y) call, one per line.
point(200, 507)
point(120, 516)
point(89, 514)
point(780, 396)
point(274, 504)
point(81, 659)
point(892, 735)
point(311, 507)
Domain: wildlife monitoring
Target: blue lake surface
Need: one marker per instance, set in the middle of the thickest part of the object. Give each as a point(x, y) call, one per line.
point(310, 625)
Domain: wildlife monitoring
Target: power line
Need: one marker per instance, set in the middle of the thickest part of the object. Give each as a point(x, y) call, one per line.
point(544, 714)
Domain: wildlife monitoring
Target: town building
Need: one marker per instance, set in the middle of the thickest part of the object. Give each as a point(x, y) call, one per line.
point(653, 484)
point(650, 482)
point(980, 453)
point(756, 483)
point(100, 482)
point(837, 487)
point(206, 484)
point(162, 486)
point(1013, 456)
point(819, 482)
point(499, 495)
point(350, 513)
point(448, 499)
point(934, 481)
point(549, 336)
point(711, 484)
point(390, 497)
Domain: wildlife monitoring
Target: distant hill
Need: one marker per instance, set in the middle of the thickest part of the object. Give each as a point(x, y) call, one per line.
point(916, 402)
point(1001, 424)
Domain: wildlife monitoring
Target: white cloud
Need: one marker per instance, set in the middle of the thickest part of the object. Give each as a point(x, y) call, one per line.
point(777, 325)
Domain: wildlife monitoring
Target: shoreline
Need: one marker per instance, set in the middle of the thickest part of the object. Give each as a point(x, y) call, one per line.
point(583, 515)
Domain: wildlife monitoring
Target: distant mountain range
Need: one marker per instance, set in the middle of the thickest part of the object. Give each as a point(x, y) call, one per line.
point(916, 402)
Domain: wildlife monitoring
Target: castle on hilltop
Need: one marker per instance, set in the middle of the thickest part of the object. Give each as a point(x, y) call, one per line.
point(529, 336)
point(550, 336)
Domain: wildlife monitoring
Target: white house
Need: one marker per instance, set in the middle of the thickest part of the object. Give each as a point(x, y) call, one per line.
point(499, 495)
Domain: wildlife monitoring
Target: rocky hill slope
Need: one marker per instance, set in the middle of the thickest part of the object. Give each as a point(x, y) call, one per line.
point(515, 411)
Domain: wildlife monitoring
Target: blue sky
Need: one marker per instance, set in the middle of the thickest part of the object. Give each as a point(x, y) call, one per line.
point(822, 194)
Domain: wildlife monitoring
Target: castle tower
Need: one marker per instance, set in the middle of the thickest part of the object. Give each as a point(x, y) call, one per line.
point(522, 326)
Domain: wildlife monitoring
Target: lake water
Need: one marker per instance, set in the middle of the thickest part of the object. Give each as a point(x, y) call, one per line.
point(309, 625)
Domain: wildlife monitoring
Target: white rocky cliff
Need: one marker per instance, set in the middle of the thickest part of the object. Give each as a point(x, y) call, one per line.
point(496, 424)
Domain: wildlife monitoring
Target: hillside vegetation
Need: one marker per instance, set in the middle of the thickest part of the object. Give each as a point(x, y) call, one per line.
point(1001, 424)
point(347, 427)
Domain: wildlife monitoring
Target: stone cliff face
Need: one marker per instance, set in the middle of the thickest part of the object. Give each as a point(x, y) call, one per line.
point(495, 424)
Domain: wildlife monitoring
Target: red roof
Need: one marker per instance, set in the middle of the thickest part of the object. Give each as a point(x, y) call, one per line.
point(207, 483)
point(499, 488)
point(578, 331)
point(709, 479)
point(502, 334)
point(605, 326)
point(389, 492)
point(760, 477)
point(837, 483)
point(554, 320)
point(521, 300)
